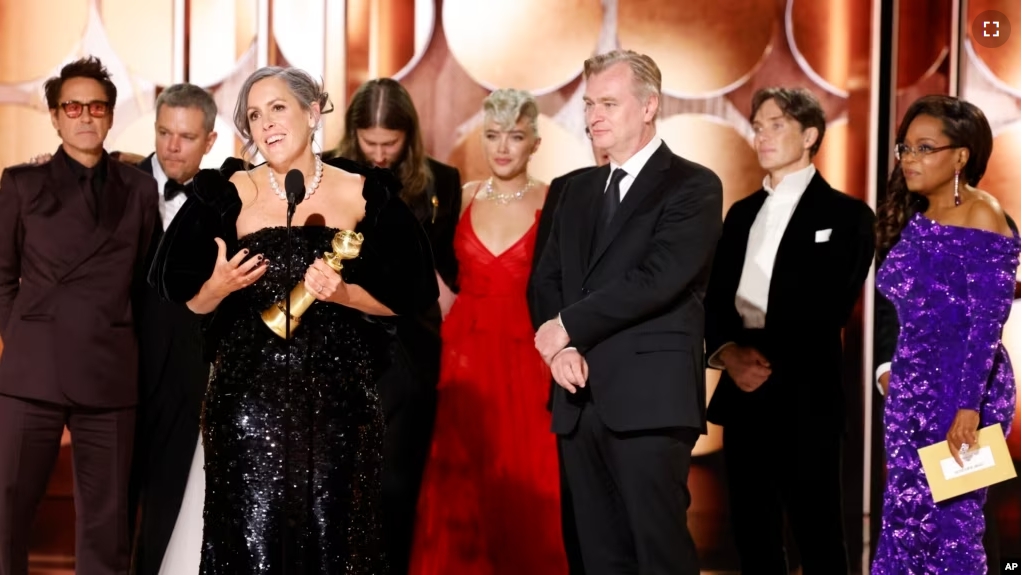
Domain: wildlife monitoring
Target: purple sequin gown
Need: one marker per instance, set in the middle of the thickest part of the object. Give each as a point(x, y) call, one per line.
point(953, 288)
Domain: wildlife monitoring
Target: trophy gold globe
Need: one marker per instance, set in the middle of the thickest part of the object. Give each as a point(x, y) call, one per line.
point(346, 245)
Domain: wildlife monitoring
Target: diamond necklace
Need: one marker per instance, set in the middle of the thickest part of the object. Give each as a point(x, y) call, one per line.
point(505, 198)
point(309, 189)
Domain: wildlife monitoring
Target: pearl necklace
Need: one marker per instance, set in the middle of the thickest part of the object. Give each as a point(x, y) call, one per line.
point(309, 189)
point(504, 198)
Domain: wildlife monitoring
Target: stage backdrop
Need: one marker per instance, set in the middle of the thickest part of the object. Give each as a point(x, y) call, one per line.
point(451, 53)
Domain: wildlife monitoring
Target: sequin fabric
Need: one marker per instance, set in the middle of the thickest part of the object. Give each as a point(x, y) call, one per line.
point(320, 427)
point(953, 289)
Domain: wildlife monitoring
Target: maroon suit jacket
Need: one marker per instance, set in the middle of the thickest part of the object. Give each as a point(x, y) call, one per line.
point(68, 325)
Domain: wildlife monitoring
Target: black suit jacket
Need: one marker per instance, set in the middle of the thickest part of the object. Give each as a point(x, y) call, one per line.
point(440, 218)
point(813, 289)
point(632, 303)
point(170, 338)
point(546, 221)
point(68, 326)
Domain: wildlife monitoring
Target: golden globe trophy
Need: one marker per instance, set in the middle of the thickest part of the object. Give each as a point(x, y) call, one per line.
point(346, 245)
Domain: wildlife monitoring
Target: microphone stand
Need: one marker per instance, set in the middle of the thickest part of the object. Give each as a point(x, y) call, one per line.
point(291, 205)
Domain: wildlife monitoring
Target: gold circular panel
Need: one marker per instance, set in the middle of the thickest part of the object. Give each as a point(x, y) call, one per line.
point(920, 49)
point(559, 153)
point(711, 142)
point(139, 137)
point(685, 40)
point(832, 158)
point(301, 44)
point(29, 132)
point(1003, 61)
point(33, 41)
point(220, 32)
point(142, 34)
point(532, 45)
point(819, 37)
point(1003, 174)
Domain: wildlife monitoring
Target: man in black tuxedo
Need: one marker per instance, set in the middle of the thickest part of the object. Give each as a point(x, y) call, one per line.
point(621, 282)
point(174, 372)
point(546, 219)
point(789, 268)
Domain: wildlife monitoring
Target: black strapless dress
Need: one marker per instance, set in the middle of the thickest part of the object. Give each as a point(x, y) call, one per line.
point(293, 441)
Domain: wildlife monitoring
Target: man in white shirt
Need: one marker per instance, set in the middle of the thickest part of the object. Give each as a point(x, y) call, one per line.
point(788, 270)
point(174, 372)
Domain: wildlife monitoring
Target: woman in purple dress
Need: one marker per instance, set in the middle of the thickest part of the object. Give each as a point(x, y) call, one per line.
point(950, 272)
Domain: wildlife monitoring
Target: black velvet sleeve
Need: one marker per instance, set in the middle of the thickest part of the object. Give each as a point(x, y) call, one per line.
point(187, 253)
point(443, 221)
point(395, 264)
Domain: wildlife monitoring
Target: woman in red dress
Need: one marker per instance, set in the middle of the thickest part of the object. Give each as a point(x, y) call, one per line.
point(489, 502)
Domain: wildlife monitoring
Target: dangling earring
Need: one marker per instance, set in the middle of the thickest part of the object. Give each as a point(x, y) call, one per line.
point(958, 199)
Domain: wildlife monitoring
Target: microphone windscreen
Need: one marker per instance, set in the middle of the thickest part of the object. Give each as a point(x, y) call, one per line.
point(294, 187)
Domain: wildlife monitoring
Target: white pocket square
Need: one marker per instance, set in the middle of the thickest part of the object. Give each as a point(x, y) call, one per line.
point(823, 235)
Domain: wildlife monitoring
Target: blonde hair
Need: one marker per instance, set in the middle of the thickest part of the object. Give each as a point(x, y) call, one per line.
point(507, 106)
point(645, 71)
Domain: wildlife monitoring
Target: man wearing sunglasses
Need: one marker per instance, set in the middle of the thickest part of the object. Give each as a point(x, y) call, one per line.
point(74, 234)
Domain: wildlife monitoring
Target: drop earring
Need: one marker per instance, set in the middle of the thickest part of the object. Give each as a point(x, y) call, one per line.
point(958, 198)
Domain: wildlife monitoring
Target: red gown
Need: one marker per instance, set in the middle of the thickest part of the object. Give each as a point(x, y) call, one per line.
point(490, 499)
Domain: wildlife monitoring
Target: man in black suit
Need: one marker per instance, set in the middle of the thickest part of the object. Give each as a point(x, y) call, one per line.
point(74, 233)
point(621, 282)
point(381, 128)
point(546, 220)
point(174, 372)
point(787, 273)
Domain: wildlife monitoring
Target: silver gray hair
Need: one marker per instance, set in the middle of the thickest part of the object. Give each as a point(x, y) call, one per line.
point(301, 85)
point(507, 106)
point(189, 96)
point(644, 71)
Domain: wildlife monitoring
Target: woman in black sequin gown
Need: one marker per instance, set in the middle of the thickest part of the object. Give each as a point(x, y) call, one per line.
point(292, 431)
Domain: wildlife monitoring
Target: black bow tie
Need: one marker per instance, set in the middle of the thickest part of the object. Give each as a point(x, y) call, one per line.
point(172, 188)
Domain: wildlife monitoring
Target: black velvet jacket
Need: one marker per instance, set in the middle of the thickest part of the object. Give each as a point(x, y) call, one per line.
point(395, 264)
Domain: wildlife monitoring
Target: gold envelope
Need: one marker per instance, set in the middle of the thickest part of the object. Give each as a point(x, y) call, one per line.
point(985, 464)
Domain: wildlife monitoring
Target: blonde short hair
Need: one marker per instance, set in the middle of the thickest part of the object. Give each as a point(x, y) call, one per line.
point(644, 69)
point(506, 106)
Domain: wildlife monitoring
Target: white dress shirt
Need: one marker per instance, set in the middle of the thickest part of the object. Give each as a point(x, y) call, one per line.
point(764, 239)
point(633, 166)
point(761, 251)
point(168, 209)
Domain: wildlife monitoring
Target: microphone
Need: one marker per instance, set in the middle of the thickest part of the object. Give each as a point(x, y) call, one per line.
point(294, 187)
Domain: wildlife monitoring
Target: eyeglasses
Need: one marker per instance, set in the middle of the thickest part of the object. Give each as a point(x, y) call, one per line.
point(902, 151)
point(97, 108)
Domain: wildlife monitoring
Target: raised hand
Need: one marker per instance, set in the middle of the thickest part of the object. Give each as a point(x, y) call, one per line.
point(231, 275)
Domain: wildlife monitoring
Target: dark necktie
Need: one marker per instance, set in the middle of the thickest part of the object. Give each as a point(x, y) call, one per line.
point(172, 189)
point(88, 186)
point(612, 197)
